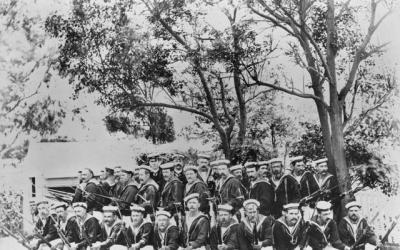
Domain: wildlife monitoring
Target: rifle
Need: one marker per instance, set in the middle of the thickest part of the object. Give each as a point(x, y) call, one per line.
point(123, 229)
point(59, 232)
point(4, 228)
point(37, 233)
point(211, 201)
point(358, 241)
point(385, 238)
point(177, 206)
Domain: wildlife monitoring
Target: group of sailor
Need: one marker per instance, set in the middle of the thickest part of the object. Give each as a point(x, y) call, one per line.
point(210, 205)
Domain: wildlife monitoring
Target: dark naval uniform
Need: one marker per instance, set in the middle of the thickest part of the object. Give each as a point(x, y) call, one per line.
point(114, 235)
point(172, 193)
point(362, 235)
point(330, 184)
point(228, 237)
point(148, 196)
point(70, 229)
point(263, 191)
point(251, 236)
point(89, 232)
point(308, 184)
point(47, 229)
point(231, 192)
point(92, 187)
point(144, 235)
point(196, 235)
point(127, 196)
point(288, 238)
point(320, 236)
point(286, 191)
point(169, 240)
point(181, 176)
point(201, 188)
point(158, 178)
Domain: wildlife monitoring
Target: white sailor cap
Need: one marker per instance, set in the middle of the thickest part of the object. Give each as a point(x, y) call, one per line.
point(191, 196)
point(291, 206)
point(79, 204)
point(153, 155)
point(323, 205)
point(110, 209)
point(251, 202)
point(236, 167)
point(39, 202)
point(179, 156)
point(59, 204)
point(276, 160)
point(163, 213)
point(319, 161)
point(203, 156)
point(296, 159)
point(353, 204)
point(190, 167)
point(225, 207)
point(220, 162)
point(263, 163)
point(251, 164)
point(168, 165)
point(137, 208)
point(148, 168)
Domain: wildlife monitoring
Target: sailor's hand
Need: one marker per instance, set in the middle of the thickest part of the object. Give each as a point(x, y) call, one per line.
point(379, 244)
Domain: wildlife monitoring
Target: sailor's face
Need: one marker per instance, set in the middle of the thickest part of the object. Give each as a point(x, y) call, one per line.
point(117, 171)
point(325, 216)
point(203, 164)
point(262, 171)
point(103, 175)
point(276, 168)
point(251, 212)
point(124, 177)
point(144, 175)
point(154, 164)
point(191, 176)
point(322, 168)
point(167, 173)
point(162, 222)
point(43, 209)
point(224, 216)
point(80, 212)
point(223, 171)
point(291, 216)
point(109, 218)
point(251, 173)
point(61, 212)
point(86, 175)
point(178, 167)
point(238, 174)
point(179, 163)
point(193, 205)
point(299, 167)
point(137, 218)
point(354, 213)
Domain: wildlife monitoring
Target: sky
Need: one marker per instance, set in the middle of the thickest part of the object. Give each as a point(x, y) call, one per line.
point(94, 128)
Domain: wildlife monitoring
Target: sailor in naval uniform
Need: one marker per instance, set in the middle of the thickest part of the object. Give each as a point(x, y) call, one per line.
point(285, 186)
point(223, 235)
point(255, 230)
point(260, 188)
point(166, 234)
point(289, 230)
point(196, 225)
point(140, 230)
point(354, 230)
point(195, 185)
point(322, 231)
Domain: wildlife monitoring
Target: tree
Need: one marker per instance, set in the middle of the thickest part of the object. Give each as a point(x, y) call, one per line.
point(25, 73)
point(176, 60)
point(326, 42)
point(156, 125)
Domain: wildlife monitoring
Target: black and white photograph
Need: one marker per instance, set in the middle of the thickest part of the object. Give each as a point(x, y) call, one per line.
point(199, 124)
